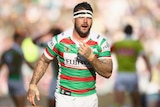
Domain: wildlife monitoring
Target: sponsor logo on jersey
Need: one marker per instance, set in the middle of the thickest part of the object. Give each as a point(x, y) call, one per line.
point(50, 44)
point(75, 61)
point(105, 47)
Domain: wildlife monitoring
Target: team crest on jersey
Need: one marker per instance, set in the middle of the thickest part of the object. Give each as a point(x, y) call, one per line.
point(66, 49)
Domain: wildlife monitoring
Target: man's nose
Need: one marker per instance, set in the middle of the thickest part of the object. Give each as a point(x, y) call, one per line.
point(85, 19)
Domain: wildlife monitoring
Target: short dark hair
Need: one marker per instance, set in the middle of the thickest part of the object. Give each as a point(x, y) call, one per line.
point(82, 6)
point(16, 35)
point(55, 31)
point(128, 29)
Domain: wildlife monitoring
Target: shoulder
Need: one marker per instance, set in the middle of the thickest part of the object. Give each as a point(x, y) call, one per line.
point(65, 34)
point(97, 37)
point(9, 51)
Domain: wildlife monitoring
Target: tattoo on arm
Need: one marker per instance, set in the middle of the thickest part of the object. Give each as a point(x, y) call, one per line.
point(102, 66)
point(40, 69)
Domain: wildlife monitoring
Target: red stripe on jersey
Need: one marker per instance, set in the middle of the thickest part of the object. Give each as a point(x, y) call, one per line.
point(67, 41)
point(55, 50)
point(48, 53)
point(86, 79)
point(77, 91)
point(91, 43)
point(61, 54)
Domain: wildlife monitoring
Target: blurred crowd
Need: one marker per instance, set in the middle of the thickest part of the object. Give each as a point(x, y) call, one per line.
point(36, 17)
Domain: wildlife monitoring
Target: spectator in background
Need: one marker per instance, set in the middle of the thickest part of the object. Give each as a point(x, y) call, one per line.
point(14, 58)
point(52, 32)
point(153, 90)
point(127, 51)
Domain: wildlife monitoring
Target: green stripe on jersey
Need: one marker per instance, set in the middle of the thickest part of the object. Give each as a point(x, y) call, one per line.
point(72, 65)
point(77, 73)
point(77, 85)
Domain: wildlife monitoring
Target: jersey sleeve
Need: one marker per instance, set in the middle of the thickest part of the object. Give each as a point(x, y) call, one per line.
point(140, 48)
point(51, 51)
point(105, 49)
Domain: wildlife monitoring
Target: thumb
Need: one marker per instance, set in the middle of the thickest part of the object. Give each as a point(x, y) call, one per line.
point(38, 97)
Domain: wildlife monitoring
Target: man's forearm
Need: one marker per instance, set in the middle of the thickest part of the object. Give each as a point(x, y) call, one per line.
point(102, 66)
point(40, 70)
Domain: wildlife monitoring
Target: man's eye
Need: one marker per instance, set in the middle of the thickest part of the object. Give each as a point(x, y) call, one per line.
point(89, 18)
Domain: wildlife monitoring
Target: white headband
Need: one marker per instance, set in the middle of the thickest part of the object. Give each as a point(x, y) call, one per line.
point(82, 13)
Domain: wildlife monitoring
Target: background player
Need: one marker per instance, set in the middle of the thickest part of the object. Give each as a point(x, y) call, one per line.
point(127, 52)
point(13, 58)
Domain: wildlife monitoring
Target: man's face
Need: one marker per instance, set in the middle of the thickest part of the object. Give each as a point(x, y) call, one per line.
point(83, 25)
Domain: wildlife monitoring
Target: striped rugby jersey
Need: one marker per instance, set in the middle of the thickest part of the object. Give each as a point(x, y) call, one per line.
point(127, 52)
point(13, 58)
point(76, 75)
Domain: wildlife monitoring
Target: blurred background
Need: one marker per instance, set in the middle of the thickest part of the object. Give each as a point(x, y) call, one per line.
point(36, 17)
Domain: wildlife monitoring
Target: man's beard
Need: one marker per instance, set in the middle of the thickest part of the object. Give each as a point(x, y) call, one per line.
point(82, 34)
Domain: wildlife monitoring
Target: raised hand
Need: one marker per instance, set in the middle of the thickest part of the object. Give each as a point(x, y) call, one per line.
point(86, 51)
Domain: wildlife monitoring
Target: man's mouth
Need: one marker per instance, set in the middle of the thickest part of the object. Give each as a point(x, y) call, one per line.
point(84, 26)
